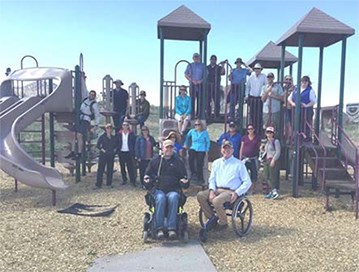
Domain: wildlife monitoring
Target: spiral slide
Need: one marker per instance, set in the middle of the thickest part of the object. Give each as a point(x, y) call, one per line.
point(13, 159)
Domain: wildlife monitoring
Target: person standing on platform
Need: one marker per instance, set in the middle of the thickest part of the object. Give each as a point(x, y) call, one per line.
point(120, 104)
point(107, 144)
point(183, 109)
point(214, 72)
point(253, 96)
point(195, 75)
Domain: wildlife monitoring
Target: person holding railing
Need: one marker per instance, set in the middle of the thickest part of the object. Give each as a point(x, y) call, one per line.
point(255, 84)
point(238, 78)
point(307, 100)
point(183, 109)
point(120, 104)
point(195, 74)
point(288, 89)
point(143, 109)
point(214, 72)
point(272, 97)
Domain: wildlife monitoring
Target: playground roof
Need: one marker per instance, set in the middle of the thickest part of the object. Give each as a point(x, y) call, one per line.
point(270, 57)
point(320, 30)
point(183, 24)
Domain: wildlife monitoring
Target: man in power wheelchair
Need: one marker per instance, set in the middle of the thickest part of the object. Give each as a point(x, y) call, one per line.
point(228, 182)
point(164, 178)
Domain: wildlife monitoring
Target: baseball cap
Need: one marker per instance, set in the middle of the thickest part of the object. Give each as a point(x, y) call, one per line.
point(227, 143)
point(231, 124)
point(270, 129)
point(168, 143)
point(195, 55)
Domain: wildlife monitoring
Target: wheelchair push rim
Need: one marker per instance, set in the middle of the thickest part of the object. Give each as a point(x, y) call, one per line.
point(242, 217)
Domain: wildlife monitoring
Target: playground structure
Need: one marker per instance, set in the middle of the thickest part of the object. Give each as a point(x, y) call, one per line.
point(333, 158)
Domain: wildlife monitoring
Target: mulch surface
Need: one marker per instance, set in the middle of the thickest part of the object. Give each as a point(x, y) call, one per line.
point(288, 234)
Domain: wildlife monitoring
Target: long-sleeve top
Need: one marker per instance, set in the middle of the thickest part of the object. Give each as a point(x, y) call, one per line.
point(168, 173)
point(255, 84)
point(141, 147)
point(195, 70)
point(143, 108)
point(272, 149)
point(107, 145)
point(183, 105)
point(200, 140)
point(235, 139)
point(89, 107)
point(230, 173)
point(239, 75)
point(275, 104)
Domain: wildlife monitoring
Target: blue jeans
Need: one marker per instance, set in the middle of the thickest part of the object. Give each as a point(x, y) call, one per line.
point(162, 200)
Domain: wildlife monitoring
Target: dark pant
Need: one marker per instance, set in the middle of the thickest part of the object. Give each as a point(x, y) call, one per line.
point(196, 163)
point(141, 120)
point(143, 165)
point(252, 167)
point(105, 160)
point(196, 99)
point(126, 160)
point(118, 120)
point(256, 113)
point(213, 92)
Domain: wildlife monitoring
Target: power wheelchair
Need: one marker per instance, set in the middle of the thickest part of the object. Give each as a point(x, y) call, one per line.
point(149, 218)
point(241, 213)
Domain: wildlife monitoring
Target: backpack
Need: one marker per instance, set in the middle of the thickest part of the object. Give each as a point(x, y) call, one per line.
point(92, 115)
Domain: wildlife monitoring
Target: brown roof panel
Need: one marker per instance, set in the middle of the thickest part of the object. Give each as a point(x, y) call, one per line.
point(270, 57)
point(183, 24)
point(320, 30)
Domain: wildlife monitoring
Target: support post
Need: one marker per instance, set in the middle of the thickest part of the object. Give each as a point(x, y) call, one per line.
point(161, 72)
point(77, 116)
point(341, 89)
point(52, 131)
point(296, 167)
point(282, 63)
point(53, 198)
point(319, 102)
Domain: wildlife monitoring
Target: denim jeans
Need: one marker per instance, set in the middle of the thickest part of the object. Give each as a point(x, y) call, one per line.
point(162, 200)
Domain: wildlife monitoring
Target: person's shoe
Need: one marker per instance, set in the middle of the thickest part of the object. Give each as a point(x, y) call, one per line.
point(269, 195)
point(71, 155)
point(275, 195)
point(221, 227)
point(133, 184)
point(109, 186)
point(96, 187)
point(124, 182)
point(160, 235)
point(172, 235)
point(78, 155)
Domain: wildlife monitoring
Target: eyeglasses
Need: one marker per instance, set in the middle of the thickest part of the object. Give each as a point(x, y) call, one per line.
point(197, 124)
point(169, 146)
point(249, 128)
point(270, 76)
point(269, 132)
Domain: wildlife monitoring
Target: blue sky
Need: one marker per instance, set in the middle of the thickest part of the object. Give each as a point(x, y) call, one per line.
point(120, 38)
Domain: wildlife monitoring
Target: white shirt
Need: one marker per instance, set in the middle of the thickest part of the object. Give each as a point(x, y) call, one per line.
point(255, 84)
point(124, 147)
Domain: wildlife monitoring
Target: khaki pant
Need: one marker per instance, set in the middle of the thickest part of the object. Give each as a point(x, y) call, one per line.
point(222, 196)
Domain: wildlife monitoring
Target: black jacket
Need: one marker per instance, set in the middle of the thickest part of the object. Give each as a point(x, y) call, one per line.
point(167, 179)
point(109, 145)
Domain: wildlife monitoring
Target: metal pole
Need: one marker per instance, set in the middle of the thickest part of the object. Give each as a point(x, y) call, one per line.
point(43, 140)
point(341, 90)
point(291, 69)
point(52, 131)
point(297, 117)
point(282, 64)
point(320, 76)
point(161, 72)
point(77, 116)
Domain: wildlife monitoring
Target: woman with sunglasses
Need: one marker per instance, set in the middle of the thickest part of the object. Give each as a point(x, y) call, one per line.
point(249, 151)
point(175, 138)
point(307, 100)
point(197, 151)
point(144, 147)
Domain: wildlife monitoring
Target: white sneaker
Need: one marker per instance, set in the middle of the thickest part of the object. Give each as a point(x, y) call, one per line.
point(275, 195)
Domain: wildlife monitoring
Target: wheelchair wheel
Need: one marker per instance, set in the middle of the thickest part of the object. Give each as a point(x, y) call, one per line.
point(242, 216)
point(202, 218)
point(146, 220)
point(145, 236)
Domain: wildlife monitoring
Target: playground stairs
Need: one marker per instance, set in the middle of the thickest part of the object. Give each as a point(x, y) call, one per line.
point(335, 178)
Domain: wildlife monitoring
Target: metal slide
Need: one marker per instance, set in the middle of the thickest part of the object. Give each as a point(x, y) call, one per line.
point(6, 102)
point(13, 159)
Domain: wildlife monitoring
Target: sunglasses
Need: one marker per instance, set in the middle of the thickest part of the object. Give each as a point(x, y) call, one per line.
point(250, 128)
point(197, 124)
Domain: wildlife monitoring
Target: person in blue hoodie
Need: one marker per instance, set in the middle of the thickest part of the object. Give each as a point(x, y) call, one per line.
point(233, 136)
point(200, 144)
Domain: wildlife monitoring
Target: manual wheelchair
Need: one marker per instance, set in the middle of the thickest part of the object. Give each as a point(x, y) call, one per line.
point(148, 220)
point(241, 212)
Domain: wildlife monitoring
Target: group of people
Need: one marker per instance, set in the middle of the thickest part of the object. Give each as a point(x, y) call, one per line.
point(264, 96)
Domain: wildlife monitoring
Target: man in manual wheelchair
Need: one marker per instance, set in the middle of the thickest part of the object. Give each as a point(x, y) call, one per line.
point(164, 178)
point(228, 183)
